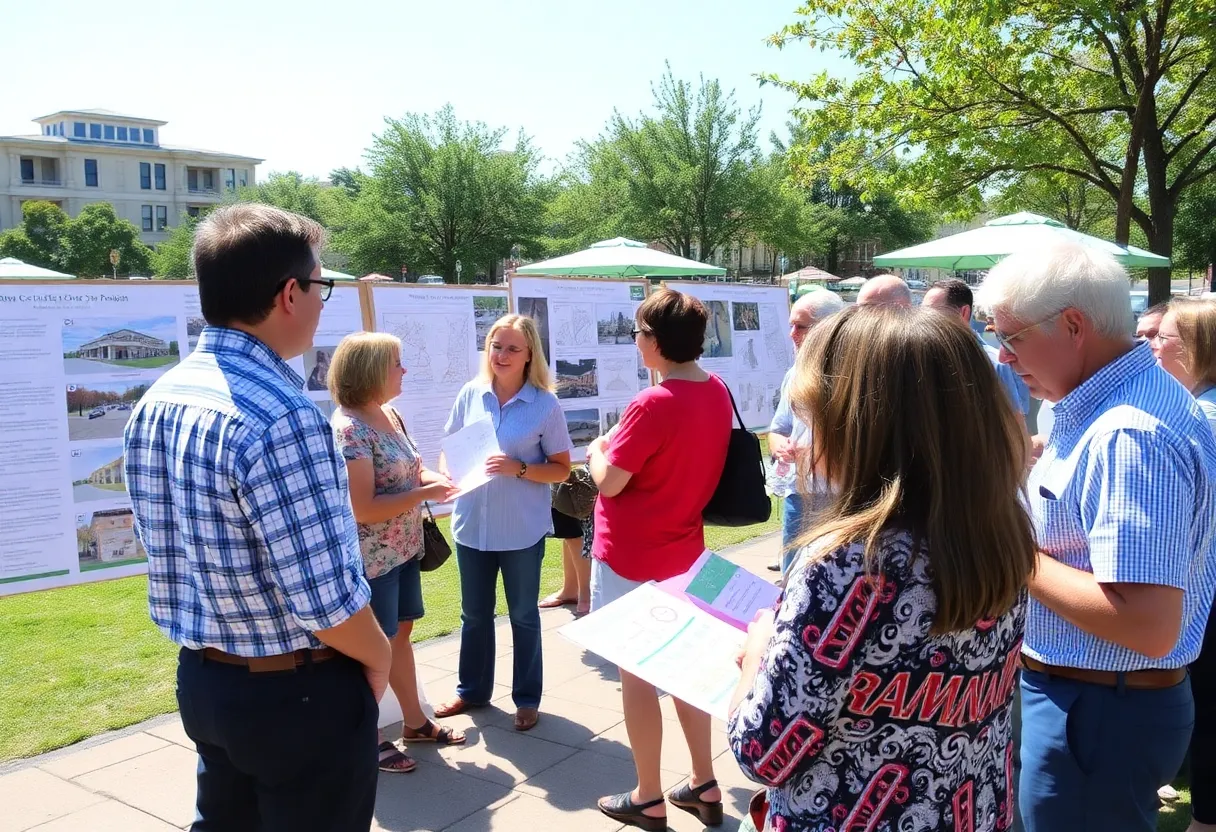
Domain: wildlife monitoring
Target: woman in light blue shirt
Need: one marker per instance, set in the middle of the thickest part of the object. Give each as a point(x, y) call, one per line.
point(501, 526)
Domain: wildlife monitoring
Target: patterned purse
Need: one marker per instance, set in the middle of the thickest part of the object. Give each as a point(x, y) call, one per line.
point(575, 497)
point(435, 548)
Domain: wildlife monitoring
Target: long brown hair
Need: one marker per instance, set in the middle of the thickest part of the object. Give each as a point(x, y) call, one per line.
point(913, 430)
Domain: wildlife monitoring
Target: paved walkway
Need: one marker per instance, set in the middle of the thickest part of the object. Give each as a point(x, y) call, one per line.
point(141, 779)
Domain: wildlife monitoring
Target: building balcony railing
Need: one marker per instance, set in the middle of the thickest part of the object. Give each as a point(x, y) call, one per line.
point(205, 191)
point(43, 183)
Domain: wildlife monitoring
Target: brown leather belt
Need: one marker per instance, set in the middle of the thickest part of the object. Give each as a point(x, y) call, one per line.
point(1135, 679)
point(271, 664)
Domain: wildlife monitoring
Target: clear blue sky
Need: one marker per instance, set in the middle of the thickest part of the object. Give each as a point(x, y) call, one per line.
point(306, 84)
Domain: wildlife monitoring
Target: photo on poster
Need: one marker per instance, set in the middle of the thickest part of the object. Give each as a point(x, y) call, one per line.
point(746, 316)
point(643, 373)
point(611, 418)
point(637, 293)
point(577, 379)
point(538, 310)
point(97, 473)
point(316, 367)
point(194, 329)
point(717, 332)
point(616, 377)
point(584, 425)
point(108, 345)
point(573, 326)
point(486, 311)
point(614, 323)
point(105, 538)
point(101, 410)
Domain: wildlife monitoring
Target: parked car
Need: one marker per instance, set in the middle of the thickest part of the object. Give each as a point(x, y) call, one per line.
point(430, 280)
point(96, 414)
point(917, 284)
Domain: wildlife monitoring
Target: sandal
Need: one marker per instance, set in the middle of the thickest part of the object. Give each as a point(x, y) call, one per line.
point(393, 761)
point(554, 601)
point(526, 719)
point(455, 706)
point(689, 799)
point(620, 807)
point(430, 732)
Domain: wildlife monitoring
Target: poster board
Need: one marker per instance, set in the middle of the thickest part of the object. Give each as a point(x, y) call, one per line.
point(75, 357)
point(747, 343)
point(586, 325)
point(443, 331)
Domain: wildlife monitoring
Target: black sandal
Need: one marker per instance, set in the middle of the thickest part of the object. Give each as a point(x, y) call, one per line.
point(431, 732)
point(689, 799)
point(395, 762)
point(621, 807)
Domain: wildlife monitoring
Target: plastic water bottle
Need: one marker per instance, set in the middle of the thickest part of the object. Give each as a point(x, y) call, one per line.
point(781, 479)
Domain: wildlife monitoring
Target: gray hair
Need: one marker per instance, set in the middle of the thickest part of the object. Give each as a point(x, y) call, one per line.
point(821, 303)
point(1032, 286)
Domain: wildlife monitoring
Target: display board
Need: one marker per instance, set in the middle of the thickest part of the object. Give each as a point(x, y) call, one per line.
point(586, 325)
point(443, 331)
point(75, 357)
point(747, 343)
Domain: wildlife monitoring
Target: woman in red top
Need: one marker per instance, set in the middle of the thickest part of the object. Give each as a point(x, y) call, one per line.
point(656, 471)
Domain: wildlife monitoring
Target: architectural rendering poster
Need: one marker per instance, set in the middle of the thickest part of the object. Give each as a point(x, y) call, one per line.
point(587, 327)
point(443, 331)
point(747, 343)
point(75, 358)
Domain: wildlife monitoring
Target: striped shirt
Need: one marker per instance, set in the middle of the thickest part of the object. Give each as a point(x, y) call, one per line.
point(1126, 490)
point(242, 504)
point(509, 513)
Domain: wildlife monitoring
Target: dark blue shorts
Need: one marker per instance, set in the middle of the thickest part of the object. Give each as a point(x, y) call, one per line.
point(397, 596)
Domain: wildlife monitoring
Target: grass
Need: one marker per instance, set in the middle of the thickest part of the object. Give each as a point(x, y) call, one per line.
point(1175, 817)
point(144, 363)
point(78, 661)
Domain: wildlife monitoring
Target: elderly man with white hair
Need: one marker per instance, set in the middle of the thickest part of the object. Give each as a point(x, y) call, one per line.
point(1123, 499)
point(787, 433)
point(885, 290)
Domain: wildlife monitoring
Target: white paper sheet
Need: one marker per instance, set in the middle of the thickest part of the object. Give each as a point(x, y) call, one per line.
point(466, 452)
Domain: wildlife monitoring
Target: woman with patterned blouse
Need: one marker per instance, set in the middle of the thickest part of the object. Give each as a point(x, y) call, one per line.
point(878, 696)
point(388, 486)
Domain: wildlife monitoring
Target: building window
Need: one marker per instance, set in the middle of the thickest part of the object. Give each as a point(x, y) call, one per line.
point(208, 180)
point(90, 173)
point(27, 170)
point(62, 131)
point(135, 134)
point(109, 131)
point(145, 176)
point(243, 180)
point(192, 180)
point(160, 177)
point(148, 138)
point(145, 213)
point(162, 217)
point(230, 179)
point(94, 131)
point(78, 129)
point(122, 134)
point(193, 211)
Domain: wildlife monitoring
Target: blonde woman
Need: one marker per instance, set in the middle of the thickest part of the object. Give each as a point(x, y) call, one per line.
point(502, 525)
point(388, 485)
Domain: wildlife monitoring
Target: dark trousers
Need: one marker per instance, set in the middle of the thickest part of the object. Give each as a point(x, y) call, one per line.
point(1203, 740)
point(478, 594)
point(280, 752)
point(1094, 756)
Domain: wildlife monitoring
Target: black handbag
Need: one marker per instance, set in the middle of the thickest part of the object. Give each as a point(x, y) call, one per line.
point(575, 496)
point(435, 548)
point(740, 498)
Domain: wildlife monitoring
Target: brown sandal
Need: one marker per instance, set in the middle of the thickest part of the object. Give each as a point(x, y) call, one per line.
point(393, 761)
point(526, 719)
point(454, 706)
point(431, 732)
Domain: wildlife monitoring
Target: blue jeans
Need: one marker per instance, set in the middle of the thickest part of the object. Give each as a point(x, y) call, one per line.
point(791, 527)
point(1093, 757)
point(277, 751)
point(478, 592)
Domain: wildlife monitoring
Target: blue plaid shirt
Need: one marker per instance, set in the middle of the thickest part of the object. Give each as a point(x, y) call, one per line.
point(241, 501)
point(1126, 490)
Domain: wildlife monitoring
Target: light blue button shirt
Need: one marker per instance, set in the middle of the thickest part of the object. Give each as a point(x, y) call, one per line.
point(785, 423)
point(509, 513)
point(1019, 393)
point(1126, 490)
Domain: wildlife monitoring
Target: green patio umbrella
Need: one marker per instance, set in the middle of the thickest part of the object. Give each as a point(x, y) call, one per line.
point(984, 247)
point(620, 257)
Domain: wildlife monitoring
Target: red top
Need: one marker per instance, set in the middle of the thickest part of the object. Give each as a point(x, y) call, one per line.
point(672, 438)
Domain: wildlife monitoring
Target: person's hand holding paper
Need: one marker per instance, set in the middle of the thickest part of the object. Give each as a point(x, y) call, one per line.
point(466, 453)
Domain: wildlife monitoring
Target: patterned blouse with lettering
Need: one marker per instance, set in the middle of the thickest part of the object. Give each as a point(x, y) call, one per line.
point(388, 544)
point(861, 721)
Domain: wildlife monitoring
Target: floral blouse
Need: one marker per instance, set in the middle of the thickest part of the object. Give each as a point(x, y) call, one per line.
point(859, 719)
point(397, 468)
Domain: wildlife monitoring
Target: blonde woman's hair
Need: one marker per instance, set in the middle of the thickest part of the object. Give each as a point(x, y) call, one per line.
point(901, 403)
point(536, 370)
point(1196, 319)
point(359, 370)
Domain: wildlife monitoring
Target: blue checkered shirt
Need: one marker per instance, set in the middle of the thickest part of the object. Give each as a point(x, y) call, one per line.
point(1126, 490)
point(241, 501)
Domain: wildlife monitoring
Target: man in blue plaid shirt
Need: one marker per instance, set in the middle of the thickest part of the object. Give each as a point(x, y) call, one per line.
point(241, 502)
point(1123, 498)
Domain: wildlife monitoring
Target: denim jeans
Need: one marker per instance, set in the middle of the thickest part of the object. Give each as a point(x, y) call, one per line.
point(791, 527)
point(478, 592)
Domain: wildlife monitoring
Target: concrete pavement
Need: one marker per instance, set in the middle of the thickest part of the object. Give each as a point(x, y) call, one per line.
point(141, 779)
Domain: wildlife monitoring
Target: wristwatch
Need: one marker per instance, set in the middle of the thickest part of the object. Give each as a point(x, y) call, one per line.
point(523, 469)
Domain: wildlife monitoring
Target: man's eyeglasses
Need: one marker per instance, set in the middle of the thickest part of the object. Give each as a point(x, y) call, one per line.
point(1009, 342)
point(327, 285)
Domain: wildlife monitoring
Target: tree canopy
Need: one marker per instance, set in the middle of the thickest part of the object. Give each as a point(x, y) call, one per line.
point(80, 246)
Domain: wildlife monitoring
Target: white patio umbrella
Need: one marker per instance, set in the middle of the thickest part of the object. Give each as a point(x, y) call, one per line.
point(620, 257)
point(13, 269)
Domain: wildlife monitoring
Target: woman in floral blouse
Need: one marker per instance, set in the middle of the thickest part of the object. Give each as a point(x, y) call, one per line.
point(878, 697)
point(388, 486)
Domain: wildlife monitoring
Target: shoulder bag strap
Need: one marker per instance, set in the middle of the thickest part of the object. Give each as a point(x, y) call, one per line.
point(426, 506)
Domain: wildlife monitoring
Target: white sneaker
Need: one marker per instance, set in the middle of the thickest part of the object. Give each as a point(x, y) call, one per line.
point(1167, 794)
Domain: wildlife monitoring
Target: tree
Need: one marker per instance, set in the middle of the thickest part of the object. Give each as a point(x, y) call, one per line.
point(1195, 232)
point(587, 201)
point(93, 234)
point(448, 191)
point(171, 259)
point(1076, 202)
point(39, 239)
point(349, 180)
point(290, 191)
point(1121, 96)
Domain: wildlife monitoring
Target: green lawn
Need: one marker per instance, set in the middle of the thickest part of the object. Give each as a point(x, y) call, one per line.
point(78, 661)
point(144, 363)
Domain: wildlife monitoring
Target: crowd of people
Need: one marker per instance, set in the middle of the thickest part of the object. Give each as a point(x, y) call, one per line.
point(940, 565)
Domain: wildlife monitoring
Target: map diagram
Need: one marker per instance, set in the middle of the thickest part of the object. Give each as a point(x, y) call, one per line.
point(745, 351)
point(575, 325)
point(780, 349)
point(434, 349)
point(617, 376)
